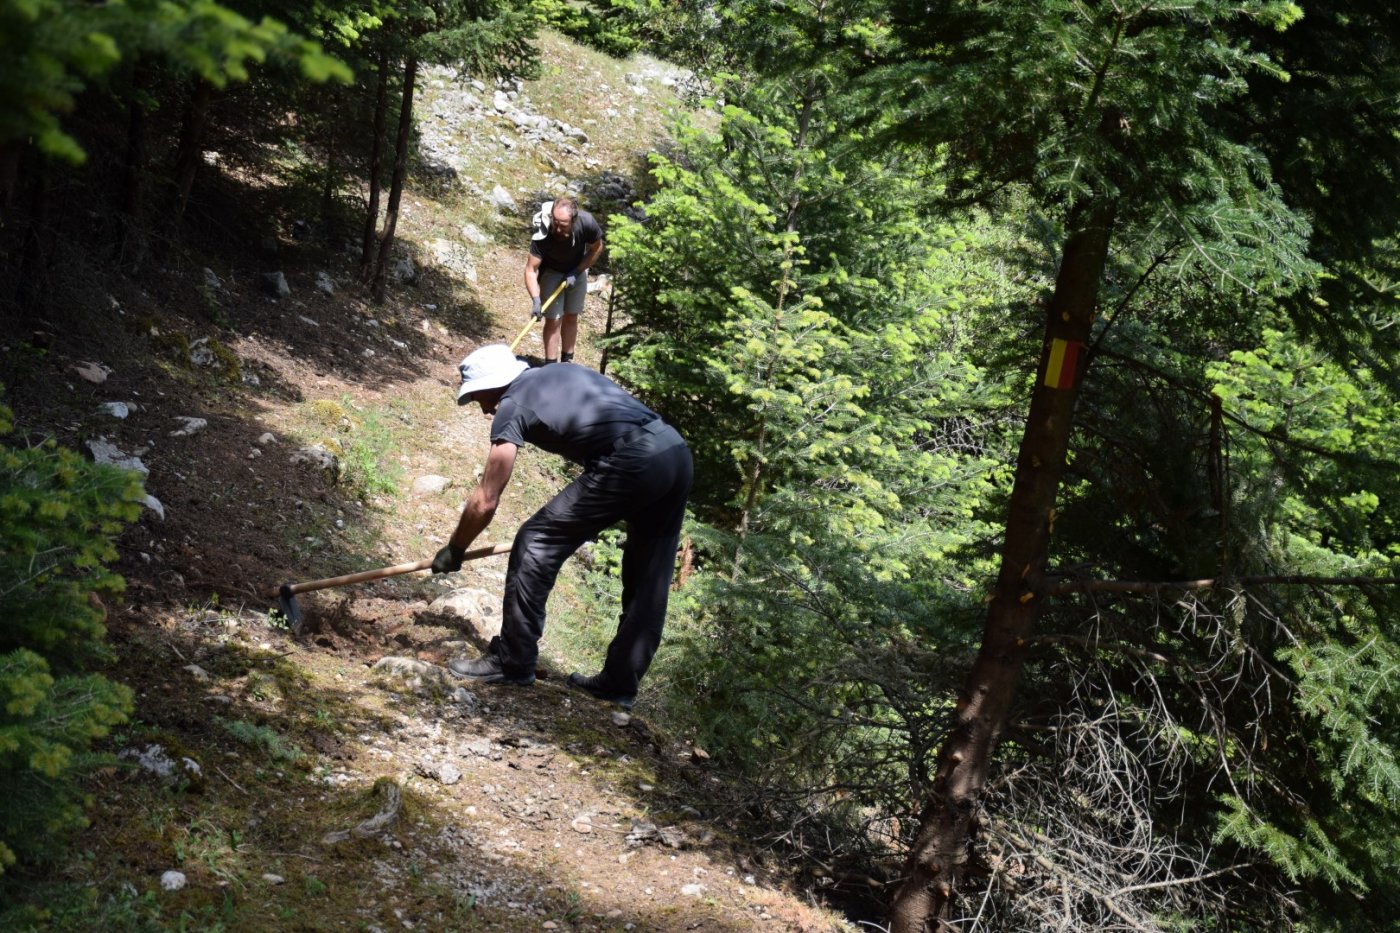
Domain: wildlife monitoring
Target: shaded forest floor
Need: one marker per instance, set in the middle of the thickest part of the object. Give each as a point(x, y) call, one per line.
point(455, 808)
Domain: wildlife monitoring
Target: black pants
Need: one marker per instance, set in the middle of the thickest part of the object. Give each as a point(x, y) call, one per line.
point(644, 482)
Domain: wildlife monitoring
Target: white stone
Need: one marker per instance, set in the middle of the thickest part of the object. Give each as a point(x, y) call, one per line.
point(172, 880)
point(104, 451)
point(211, 280)
point(430, 485)
point(189, 426)
point(115, 409)
point(95, 373)
point(325, 283)
point(267, 438)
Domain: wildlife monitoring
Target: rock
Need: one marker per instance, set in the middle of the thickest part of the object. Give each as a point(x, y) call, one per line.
point(480, 748)
point(197, 672)
point(212, 281)
point(154, 504)
point(95, 373)
point(430, 485)
point(472, 234)
point(325, 283)
point(444, 773)
point(275, 284)
point(104, 451)
point(415, 674)
point(619, 718)
point(189, 426)
point(693, 890)
point(582, 824)
point(502, 200)
point(501, 101)
point(200, 354)
point(452, 257)
point(478, 609)
point(308, 321)
point(115, 409)
point(155, 759)
point(403, 270)
point(270, 878)
point(319, 457)
point(172, 880)
point(267, 438)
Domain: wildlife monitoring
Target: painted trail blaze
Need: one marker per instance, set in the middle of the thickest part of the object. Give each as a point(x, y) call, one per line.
point(1064, 356)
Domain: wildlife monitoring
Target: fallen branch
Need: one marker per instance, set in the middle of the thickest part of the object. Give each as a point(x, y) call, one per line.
point(1154, 587)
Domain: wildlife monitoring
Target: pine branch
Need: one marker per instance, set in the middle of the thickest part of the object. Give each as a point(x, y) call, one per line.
point(1169, 379)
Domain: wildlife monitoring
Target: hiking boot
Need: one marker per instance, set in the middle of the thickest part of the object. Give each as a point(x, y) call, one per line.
point(488, 669)
point(598, 688)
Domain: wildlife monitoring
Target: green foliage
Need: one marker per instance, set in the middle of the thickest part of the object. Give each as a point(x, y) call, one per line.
point(794, 310)
point(611, 27)
point(52, 50)
point(262, 738)
point(59, 517)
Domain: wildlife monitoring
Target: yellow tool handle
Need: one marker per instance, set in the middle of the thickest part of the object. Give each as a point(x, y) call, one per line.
point(531, 323)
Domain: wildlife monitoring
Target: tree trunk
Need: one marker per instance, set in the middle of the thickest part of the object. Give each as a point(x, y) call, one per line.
point(191, 149)
point(129, 245)
point(376, 165)
point(33, 268)
point(939, 855)
point(391, 217)
point(329, 229)
point(9, 179)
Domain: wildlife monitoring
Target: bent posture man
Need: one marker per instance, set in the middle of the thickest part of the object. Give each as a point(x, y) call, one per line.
point(636, 469)
point(564, 244)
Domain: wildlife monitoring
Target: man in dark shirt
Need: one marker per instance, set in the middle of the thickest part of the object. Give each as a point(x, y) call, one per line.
point(565, 242)
point(636, 469)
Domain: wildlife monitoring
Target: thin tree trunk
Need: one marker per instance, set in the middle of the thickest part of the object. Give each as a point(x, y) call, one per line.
point(939, 855)
point(33, 269)
point(376, 165)
point(9, 178)
point(129, 246)
point(391, 217)
point(332, 169)
point(191, 149)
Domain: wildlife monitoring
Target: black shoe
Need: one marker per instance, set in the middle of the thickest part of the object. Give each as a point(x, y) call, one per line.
point(599, 689)
point(488, 669)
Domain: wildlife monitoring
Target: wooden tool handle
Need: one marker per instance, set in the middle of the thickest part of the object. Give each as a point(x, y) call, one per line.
point(365, 576)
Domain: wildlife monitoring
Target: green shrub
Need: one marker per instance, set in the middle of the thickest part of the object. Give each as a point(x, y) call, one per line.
point(59, 516)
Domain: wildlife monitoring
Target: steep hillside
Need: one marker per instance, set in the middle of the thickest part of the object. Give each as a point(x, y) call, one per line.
point(291, 429)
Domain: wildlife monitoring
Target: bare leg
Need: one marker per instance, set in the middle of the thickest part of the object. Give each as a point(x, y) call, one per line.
point(551, 337)
point(569, 332)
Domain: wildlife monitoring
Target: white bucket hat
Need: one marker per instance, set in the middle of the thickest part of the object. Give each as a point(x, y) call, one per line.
point(491, 367)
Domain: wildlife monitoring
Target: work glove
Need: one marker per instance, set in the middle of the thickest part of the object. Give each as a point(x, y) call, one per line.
point(535, 311)
point(571, 278)
point(449, 559)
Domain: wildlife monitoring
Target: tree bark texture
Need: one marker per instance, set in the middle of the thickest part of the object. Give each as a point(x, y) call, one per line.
point(191, 149)
point(376, 166)
point(940, 852)
point(391, 216)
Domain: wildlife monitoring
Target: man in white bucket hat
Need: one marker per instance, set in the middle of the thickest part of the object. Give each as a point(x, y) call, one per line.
point(637, 469)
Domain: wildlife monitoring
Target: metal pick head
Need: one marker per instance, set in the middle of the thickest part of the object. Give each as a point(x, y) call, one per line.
point(287, 602)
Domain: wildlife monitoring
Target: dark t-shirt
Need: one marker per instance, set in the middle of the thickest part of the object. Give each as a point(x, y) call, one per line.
point(567, 410)
point(563, 254)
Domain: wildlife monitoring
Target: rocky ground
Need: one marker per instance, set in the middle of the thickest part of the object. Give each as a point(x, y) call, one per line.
point(291, 429)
